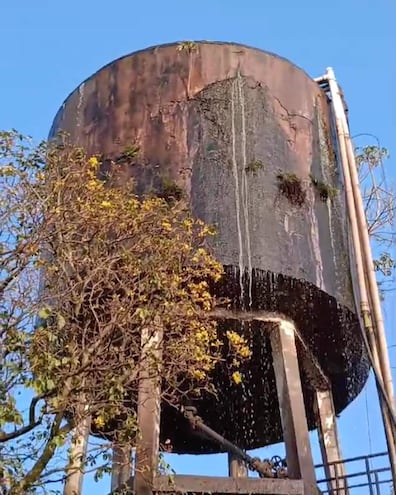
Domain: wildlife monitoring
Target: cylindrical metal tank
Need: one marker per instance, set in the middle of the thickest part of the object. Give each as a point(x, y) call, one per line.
point(247, 135)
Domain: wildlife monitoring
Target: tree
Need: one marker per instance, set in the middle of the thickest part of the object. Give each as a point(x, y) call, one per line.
point(85, 266)
point(379, 201)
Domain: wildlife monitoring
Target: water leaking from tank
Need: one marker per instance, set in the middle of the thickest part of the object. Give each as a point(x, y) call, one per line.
point(237, 188)
point(277, 258)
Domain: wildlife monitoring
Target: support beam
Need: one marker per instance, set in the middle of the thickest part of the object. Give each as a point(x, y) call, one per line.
point(122, 466)
point(291, 404)
point(78, 452)
point(149, 402)
point(329, 442)
point(236, 467)
point(219, 486)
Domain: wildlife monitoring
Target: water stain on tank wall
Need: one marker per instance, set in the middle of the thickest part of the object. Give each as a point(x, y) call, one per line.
point(228, 123)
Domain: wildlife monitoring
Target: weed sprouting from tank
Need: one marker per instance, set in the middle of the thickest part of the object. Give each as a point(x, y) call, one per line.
point(170, 191)
point(290, 186)
point(128, 154)
point(254, 166)
point(188, 46)
point(326, 191)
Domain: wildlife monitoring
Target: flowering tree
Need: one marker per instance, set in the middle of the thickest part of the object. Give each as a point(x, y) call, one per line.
point(85, 266)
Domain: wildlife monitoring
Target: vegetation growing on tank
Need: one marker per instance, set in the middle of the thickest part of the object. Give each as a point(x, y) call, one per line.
point(290, 186)
point(188, 46)
point(326, 191)
point(170, 190)
point(211, 146)
point(254, 166)
point(128, 153)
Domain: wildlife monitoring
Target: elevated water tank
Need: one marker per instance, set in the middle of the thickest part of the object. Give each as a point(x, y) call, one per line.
point(247, 136)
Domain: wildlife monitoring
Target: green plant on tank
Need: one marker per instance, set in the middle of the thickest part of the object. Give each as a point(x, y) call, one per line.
point(254, 166)
point(170, 191)
point(128, 154)
point(290, 186)
point(188, 46)
point(326, 191)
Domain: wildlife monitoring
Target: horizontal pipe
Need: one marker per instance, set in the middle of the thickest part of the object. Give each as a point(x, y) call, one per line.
point(253, 462)
point(321, 79)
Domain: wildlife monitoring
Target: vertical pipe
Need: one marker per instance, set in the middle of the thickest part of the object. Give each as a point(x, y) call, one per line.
point(341, 125)
point(370, 272)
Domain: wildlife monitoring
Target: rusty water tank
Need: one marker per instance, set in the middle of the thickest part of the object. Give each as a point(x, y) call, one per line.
point(247, 135)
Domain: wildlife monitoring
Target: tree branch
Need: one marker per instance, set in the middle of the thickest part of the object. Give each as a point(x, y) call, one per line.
point(33, 422)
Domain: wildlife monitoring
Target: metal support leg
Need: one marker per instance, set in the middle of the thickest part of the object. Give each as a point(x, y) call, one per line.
point(78, 451)
point(149, 402)
point(122, 466)
point(329, 442)
point(236, 467)
point(291, 404)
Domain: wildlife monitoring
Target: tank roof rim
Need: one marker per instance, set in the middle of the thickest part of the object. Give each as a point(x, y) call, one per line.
point(175, 43)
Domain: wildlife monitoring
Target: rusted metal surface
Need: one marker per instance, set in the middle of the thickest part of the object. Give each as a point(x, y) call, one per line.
point(224, 121)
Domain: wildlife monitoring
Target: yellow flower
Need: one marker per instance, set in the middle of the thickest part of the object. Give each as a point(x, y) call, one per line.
point(106, 204)
point(237, 377)
point(99, 422)
point(93, 161)
point(198, 374)
point(167, 226)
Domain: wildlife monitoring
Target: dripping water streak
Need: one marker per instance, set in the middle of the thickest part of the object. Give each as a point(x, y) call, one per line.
point(333, 247)
point(79, 104)
point(245, 194)
point(315, 243)
point(237, 195)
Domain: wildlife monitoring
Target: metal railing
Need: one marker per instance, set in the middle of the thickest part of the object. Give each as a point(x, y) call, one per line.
point(365, 475)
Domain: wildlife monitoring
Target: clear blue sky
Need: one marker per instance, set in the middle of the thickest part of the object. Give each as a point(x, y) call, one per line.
point(50, 46)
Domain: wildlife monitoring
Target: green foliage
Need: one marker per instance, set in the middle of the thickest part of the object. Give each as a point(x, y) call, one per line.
point(379, 200)
point(384, 264)
point(128, 154)
point(108, 264)
point(170, 191)
point(188, 46)
point(254, 166)
point(326, 191)
point(372, 156)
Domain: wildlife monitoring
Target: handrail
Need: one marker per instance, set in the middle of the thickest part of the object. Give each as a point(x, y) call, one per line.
point(374, 476)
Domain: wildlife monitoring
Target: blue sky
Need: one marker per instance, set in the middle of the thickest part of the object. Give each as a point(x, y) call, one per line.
point(50, 46)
